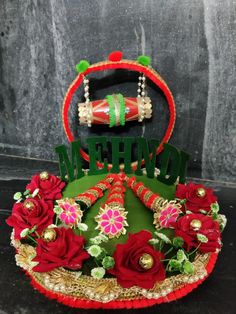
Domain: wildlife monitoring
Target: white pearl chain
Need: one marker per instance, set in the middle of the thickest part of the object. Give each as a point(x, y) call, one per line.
point(87, 100)
point(142, 94)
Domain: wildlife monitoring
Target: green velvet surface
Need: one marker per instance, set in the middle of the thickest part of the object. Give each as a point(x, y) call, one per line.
point(139, 217)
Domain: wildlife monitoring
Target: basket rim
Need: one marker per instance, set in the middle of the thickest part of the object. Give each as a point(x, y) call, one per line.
point(123, 304)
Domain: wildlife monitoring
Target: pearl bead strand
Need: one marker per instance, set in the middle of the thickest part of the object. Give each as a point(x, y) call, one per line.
point(87, 100)
point(142, 94)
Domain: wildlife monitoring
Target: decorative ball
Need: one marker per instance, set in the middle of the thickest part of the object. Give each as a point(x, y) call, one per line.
point(115, 56)
point(195, 224)
point(201, 192)
point(44, 175)
point(144, 60)
point(146, 261)
point(82, 66)
point(49, 235)
point(29, 205)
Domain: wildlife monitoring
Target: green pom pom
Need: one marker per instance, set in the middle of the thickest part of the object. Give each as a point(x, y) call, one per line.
point(144, 60)
point(108, 262)
point(82, 66)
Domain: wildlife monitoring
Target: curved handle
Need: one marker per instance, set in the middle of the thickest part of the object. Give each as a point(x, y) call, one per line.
point(129, 65)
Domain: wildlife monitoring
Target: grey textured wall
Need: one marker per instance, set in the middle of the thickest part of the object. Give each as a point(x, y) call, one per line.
point(191, 43)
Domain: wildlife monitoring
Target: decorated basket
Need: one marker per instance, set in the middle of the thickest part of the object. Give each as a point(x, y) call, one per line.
point(116, 235)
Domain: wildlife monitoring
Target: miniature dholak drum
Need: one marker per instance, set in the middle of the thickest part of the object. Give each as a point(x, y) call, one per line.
point(115, 110)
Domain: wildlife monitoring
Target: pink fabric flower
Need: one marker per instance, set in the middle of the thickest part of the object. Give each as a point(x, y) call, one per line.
point(112, 221)
point(71, 214)
point(168, 216)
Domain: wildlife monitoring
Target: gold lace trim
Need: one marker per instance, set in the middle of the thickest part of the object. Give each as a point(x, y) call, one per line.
point(73, 284)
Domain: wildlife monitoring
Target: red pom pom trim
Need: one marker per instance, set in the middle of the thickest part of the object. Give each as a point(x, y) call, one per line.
point(115, 56)
point(125, 304)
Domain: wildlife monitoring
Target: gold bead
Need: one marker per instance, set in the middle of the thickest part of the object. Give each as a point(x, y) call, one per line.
point(146, 261)
point(201, 192)
point(44, 175)
point(29, 205)
point(195, 224)
point(49, 235)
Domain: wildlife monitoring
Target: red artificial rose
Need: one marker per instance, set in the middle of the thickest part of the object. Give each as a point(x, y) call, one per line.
point(32, 212)
point(66, 250)
point(49, 188)
point(127, 269)
point(189, 226)
point(194, 202)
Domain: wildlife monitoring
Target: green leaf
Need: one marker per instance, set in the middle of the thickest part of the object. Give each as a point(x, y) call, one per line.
point(163, 237)
point(17, 196)
point(24, 232)
point(154, 241)
point(94, 250)
point(98, 272)
point(102, 254)
point(35, 192)
point(214, 216)
point(174, 265)
point(57, 210)
point(96, 240)
point(181, 256)
point(222, 221)
point(32, 230)
point(188, 212)
point(103, 237)
point(82, 226)
point(26, 192)
point(188, 268)
point(108, 262)
point(178, 242)
point(215, 208)
point(202, 238)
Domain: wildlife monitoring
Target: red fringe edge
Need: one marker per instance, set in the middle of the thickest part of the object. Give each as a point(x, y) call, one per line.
point(125, 304)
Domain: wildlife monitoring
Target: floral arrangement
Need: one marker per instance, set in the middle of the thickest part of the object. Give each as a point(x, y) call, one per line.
point(116, 268)
point(48, 233)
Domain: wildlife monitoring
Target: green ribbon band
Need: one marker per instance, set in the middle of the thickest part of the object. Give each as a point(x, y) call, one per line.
point(122, 109)
point(112, 112)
